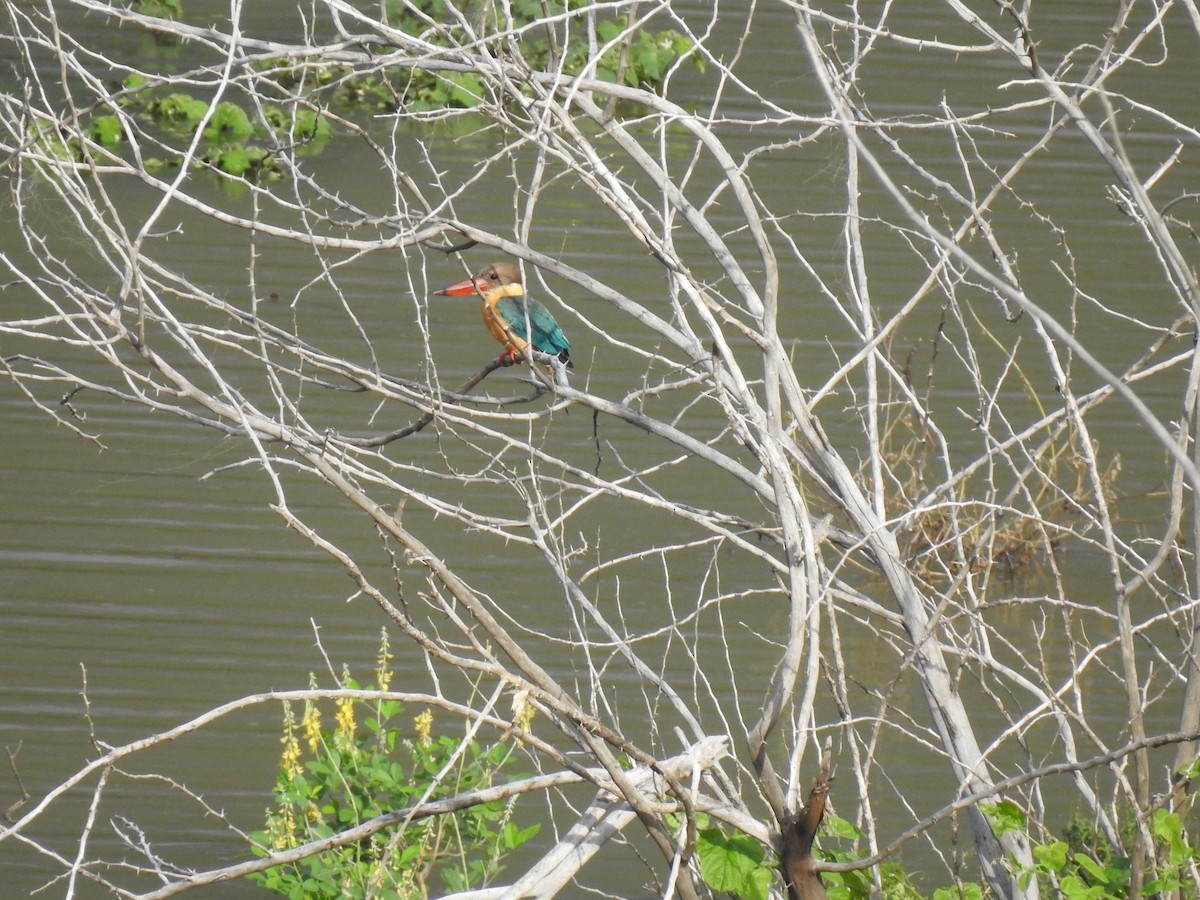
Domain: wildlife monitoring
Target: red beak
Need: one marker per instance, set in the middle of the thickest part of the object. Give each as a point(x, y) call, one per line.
point(463, 288)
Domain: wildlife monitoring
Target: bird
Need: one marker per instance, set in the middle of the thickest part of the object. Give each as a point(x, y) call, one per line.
point(515, 320)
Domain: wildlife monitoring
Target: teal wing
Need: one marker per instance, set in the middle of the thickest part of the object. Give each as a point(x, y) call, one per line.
point(547, 337)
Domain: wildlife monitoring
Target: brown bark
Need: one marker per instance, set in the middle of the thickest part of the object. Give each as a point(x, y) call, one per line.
point(799, 830)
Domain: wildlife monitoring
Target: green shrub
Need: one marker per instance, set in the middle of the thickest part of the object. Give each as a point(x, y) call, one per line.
point(370, 761)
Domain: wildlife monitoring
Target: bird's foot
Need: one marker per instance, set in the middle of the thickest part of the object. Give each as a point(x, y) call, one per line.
point(509, 358)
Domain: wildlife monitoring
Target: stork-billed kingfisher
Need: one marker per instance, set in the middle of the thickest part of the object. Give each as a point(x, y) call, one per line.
point(515, 320)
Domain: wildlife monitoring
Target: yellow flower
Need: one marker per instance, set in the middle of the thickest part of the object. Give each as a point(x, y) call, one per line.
point(311, 726)
point(285, 826)
point(383, 671)
point(526, 718)
point(345, 719)
point(424, 725)
point(522, 710)
point(289, 762)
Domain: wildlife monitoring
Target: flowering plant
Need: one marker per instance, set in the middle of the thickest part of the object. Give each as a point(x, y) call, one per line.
point(335, 777)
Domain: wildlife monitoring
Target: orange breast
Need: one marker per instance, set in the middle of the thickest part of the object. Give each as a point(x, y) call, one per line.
point(495, 325)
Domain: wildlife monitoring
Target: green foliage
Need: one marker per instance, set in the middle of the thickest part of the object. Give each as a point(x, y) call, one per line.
point(1085, 866)
point(1082, 866)
point(640, 57)
point(107, 131)
point(228, 125)
point(304, 126)
point(49, 140)
point(230, 141)
point(968, 891)
point(236, 144)
point(177, 112)
point(733, 863)
point(1005, 816)
point(334, 777)
point(1078, 875)
point(649, 56)
point(226, 135)
point(842, 845)
point(238, 160)
point(160, 9)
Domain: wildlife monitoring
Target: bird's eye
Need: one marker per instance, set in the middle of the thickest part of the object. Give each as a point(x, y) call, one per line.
point(494, 277)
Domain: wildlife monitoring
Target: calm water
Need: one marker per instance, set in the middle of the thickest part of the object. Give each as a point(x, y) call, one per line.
point(170, 592)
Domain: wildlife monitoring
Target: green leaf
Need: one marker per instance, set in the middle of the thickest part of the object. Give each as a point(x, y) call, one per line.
point(968, 891)
point(1169, 883)
point(1191, 770)
point(463, 89)
point(1051, 857)
point(178, 111)
point(837, 827)
point(1168, 829)
point(160, 9)
point(1093, 868)
point(758, 884)
point(228, 125)
point(1074, 888)
point(608, 29)
point(512, 837)
point(1006, 816)
point(848, 886)
point(107, 131)
point(726, 861)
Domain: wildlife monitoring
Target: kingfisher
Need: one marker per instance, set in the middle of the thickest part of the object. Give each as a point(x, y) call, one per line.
point(515, 320)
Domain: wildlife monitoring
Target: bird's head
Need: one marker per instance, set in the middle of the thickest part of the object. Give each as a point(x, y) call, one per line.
point(492, 278)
